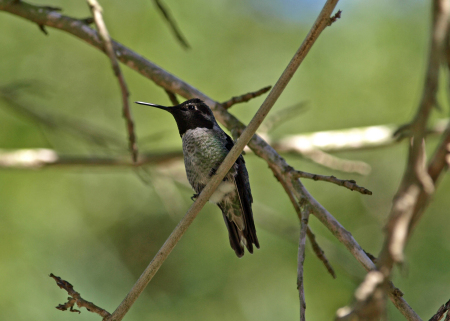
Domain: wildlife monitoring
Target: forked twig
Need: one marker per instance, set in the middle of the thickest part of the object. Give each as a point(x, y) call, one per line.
point(75, 298)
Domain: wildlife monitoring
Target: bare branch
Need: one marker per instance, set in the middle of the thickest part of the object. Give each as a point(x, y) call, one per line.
point(301, 260)
point(319, 252)
point(75, 297)
point(96, 10)
point(229, 160)
point(245, 98)
point(172, 23)
point(42, 157)
point(351, 139)
point(173, 98)
point(350, 184)
point(281, 116)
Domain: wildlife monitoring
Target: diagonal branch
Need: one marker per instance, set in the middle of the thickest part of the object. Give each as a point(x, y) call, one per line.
point(229, 160)
point(96, 10)
point(172, 23)
point(301, 261)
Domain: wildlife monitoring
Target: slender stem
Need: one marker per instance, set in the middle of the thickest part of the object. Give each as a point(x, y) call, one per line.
point(301, 261)
point(96, 10)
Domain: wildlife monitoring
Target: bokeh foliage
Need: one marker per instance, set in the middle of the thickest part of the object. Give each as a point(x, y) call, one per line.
point(98, 228)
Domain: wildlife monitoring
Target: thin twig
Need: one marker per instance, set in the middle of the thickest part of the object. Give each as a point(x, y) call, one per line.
point(336, 16)
point(301, 260)
point(281, 116)
point(336, 163)
point(75, 297)
point(245, 98)
point(172, 23)
point(96, 10)
point(173, 98)
point(350, 184)
point(319, 252)
point(43, 157)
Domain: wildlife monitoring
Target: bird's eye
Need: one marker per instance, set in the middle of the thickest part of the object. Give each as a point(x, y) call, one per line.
point(191, 107)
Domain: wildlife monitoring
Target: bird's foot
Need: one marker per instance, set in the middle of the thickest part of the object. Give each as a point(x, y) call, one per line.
point(194, 197)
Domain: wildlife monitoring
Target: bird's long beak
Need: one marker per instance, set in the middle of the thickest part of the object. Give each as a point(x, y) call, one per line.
point(169, 109)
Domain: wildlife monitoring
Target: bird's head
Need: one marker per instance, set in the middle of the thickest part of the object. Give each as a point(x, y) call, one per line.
point(191, 114)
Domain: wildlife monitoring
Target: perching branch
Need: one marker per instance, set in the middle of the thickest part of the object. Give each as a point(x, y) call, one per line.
point(229, 160)
point(75, 298)
point(96, 10)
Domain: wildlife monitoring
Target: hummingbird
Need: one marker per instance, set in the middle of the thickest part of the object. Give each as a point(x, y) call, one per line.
point(205, 146)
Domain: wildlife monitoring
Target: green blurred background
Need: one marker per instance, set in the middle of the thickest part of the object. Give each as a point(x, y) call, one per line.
point(99, 227)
